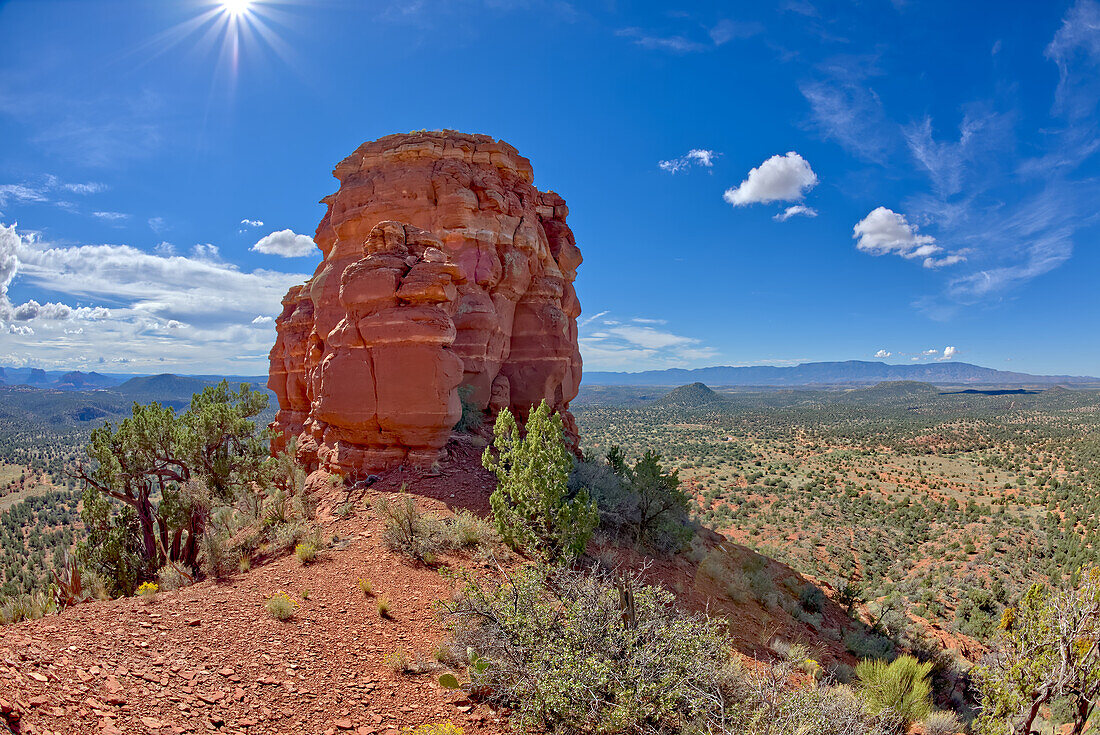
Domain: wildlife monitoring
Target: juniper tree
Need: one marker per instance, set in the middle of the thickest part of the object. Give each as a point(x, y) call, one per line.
point(532, 505)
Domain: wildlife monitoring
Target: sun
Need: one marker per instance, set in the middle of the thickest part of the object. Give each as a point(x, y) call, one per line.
point(236, 7)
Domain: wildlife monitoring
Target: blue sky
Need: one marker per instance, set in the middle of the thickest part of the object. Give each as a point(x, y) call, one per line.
point(750, 183)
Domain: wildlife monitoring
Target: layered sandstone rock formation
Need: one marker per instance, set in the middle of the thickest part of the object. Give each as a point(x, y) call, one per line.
point(443, 267)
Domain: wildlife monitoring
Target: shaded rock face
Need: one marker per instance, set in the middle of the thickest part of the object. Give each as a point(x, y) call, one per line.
point(443, 267)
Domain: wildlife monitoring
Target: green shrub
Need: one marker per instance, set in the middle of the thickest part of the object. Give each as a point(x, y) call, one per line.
point(941, 723)
point(579, 653)
point(811, 598)
point(901, 687)
point(865, 644)
point(642, 503)
point(531, 505)
point(406, 530)
point(466, 530)
point(170, 577)
point(472, 414)
point(816, 710)
point(281, 606)
point(306, 552)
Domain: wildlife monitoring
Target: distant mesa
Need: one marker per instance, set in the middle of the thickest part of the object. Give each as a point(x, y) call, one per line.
point(444, 268)
point(77, 380)
point(693, 395)
point(37, 376)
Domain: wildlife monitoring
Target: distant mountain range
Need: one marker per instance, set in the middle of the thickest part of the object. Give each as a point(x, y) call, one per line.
point(850, 372)
point(75, 380)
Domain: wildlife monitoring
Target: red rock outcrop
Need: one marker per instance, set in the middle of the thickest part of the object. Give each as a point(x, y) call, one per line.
point(443, 267)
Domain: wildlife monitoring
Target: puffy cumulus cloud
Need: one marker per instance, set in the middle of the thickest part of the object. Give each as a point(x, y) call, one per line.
point(252, 222)
point(612, 344)
point(949, 352)
point(885, 232)
point(931, 351)
point(33, 310)
point(780, 178)
point(285, 243)
point(694, 157)
point(191, 313)
point(262, 321)
point(798, 210)
point(883, 354)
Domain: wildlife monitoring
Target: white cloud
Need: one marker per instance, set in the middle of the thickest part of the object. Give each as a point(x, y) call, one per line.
point(694, 157)
point(883, 354)
point(263, 320)
point(112, 216)
point(205, 251)
point(252, 222)
point(949, 352)
point(157, 224)
point(286, 244)
point(931, 351)
point(797, 210)
point(43, 189)
point(34, 310)
point(780, 178)
point(165, 249)
point(884, 231)
point(649, 337)
point(196, 311)
point(609, 344)
point(21, 331)
point(92, 187)
point(944, 261)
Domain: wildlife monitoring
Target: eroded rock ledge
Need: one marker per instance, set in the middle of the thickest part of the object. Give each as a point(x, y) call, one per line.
point(443, 267)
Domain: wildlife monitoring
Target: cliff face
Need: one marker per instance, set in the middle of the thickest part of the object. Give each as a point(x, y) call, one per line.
point(443, 267)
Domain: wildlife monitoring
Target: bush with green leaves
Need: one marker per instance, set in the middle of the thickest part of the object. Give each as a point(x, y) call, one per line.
point(642, 503)
point(532, 505)
point(941, 723)
point(408, 531)
point(166, 473)
point(575, 652)
point(901, 687)
point(473, 415)
point(1047, 648)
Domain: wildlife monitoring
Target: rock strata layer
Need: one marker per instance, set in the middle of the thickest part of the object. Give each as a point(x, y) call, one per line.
point(443, 267)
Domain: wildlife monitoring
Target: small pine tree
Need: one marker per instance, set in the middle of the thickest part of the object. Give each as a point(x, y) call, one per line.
point(531, 505)
point(901, 687)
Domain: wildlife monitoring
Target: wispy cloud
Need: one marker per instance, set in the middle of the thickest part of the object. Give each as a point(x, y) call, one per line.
point(641, 344)
point(675, 43)
point(45, 190)
point(695, 157)
point(797, 210)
